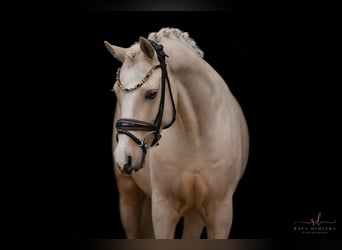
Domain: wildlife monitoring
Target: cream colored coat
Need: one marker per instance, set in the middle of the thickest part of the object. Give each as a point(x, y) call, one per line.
point(195, 170)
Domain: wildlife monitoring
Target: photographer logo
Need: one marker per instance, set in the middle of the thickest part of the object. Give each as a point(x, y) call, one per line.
point(315, 226)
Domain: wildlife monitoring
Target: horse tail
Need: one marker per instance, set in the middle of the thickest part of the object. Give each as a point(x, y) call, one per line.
point(146, 226)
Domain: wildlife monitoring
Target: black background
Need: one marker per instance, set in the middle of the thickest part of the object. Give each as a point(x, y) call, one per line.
point(282, 68)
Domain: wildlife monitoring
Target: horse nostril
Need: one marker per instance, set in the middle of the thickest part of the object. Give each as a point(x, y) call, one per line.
point(128, 166)
point(129, 160)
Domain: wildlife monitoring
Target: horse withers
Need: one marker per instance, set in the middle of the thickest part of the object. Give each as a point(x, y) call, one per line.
point(180, 139)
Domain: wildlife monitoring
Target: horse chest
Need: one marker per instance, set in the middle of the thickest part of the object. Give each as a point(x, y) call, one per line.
point(186, 184)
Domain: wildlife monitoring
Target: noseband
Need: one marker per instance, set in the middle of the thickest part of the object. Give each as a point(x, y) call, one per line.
point(123, 126)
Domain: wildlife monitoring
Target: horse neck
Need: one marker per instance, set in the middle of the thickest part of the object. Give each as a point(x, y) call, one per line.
point(202, 95)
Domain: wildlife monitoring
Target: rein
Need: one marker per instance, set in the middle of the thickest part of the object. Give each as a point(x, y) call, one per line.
point(123, 126)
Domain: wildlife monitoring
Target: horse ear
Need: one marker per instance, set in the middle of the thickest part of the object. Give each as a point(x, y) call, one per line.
point(118, 52)
point(146, 47)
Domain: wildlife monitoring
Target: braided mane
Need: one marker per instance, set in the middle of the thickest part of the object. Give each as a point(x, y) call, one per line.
point(179, 35)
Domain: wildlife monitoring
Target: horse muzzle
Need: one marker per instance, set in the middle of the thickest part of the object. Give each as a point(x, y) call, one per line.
point(128, 167)
point(128, 157)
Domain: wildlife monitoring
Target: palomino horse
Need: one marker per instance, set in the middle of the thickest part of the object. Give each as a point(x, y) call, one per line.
point(180, 139)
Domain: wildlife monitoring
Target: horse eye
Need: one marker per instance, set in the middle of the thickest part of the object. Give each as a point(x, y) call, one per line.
point(151, 94)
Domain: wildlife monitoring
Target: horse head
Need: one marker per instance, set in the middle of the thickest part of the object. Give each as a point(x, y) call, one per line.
point(145, 101)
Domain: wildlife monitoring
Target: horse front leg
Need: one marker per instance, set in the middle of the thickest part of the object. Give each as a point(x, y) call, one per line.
point(165, 216)
point(218, 219)
point(131, 200)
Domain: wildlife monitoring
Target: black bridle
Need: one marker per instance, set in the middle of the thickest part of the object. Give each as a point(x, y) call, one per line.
point(123, 126)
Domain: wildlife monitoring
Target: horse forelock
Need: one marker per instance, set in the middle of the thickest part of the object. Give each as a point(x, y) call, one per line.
point(132, 51)
point(178, 35)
